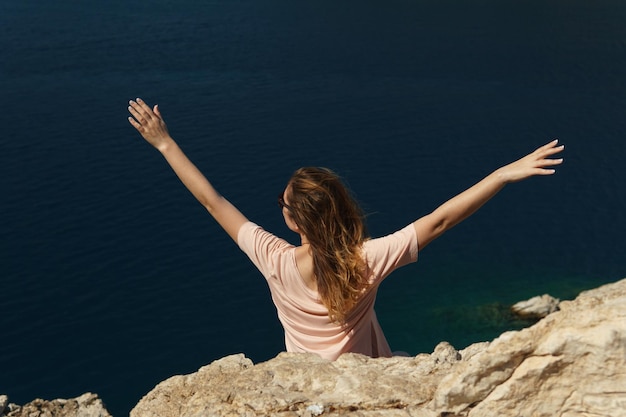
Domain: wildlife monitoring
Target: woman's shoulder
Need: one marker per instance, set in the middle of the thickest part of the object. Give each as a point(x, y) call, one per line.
point(406, 235)
point(252, 235)
point(396, 248)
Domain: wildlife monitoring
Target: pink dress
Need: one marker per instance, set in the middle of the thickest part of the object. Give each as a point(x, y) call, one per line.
point(303, 316)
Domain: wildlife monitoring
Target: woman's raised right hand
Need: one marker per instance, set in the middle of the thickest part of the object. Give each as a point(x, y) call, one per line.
point(149, 123)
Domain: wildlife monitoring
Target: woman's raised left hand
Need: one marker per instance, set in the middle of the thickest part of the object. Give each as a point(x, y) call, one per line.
point(535, 163)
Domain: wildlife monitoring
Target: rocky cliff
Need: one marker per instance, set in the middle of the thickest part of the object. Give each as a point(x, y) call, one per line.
point(87, 405)
point(570, 363)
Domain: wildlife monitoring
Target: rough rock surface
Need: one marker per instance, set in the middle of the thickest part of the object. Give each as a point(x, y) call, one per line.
point(87, 405)
point(571, 363)
point(4, 402)
point(302, 384)
point(537, 307)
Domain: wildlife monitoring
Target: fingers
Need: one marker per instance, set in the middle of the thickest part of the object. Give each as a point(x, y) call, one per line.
point(538, 162)
point(542, 154)
point(140, 111)
point(543, 161)
point(551, 144)
point(142, 115)
point(134, 123)
point(550, 163)
point(142, 107)
point(551, 148)
point(149, 123)
point(546, 171)
point(137, 118)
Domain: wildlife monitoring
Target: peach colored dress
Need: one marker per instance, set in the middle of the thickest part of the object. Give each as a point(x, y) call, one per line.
point(304, 318)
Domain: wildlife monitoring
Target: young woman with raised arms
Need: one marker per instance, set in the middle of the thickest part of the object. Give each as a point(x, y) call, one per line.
point(324, 290)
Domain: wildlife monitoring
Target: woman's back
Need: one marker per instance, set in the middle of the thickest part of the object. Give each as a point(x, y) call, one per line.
point(304, 262)
point(319, 207)
point(306, 320)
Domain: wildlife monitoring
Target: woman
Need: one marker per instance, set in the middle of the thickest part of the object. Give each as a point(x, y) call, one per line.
point(324, 290)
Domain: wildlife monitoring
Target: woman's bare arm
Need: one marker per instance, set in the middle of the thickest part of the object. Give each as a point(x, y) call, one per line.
point(458, 208)
point(151, 126)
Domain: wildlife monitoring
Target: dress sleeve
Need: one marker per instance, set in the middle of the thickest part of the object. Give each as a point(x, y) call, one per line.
point(262, 247)
point(387, 253)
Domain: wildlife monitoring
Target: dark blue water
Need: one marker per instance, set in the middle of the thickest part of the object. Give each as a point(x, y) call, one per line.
point(112, 278)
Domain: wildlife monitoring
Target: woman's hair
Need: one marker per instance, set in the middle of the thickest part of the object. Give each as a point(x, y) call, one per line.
point(327, 214)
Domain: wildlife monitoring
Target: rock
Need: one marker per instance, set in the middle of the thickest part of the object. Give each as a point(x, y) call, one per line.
point(571, 363)
point(87, 405)
point(537, 307)
point(4, 402)
point(304, 384)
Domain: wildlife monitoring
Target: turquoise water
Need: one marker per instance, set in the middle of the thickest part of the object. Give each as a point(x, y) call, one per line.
point(113, 278)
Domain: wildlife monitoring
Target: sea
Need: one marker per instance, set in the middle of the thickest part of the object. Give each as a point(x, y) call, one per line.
point(113, 278)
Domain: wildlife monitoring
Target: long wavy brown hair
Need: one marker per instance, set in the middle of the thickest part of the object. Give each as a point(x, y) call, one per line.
point(328, 215)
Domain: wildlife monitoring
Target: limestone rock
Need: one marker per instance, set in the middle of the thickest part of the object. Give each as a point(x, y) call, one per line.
point(304, 385)
point(87, 405)
point(4, 402)
point(571, 363)
point(537, 307)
